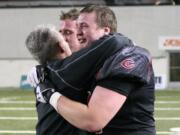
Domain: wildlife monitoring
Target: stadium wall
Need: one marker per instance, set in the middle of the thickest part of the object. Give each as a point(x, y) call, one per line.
point(143, 24)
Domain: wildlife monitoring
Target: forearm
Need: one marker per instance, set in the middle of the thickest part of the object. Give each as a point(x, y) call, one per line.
point(78, 114)
point(102, 107)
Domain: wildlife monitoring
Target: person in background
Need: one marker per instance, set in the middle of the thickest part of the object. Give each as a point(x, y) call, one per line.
point(68, 28)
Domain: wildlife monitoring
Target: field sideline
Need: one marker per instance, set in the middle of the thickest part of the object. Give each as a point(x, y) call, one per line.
point(18, 114)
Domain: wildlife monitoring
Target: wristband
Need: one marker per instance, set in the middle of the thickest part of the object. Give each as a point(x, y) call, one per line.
point(54, 100)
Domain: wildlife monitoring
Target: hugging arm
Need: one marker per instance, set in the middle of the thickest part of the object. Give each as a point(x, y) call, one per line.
point(102, 107)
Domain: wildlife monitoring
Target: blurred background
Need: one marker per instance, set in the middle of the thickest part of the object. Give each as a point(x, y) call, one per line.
point(152, 24)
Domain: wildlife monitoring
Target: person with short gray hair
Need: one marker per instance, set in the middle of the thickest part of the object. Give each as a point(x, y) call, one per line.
point(45, 43)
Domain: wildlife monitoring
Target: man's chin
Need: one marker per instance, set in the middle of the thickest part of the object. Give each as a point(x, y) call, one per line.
point(84, 44)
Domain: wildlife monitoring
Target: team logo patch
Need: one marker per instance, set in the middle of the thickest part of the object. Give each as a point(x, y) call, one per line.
point(128, 63)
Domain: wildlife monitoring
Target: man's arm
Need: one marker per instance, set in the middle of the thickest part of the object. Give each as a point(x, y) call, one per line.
point(102, 107)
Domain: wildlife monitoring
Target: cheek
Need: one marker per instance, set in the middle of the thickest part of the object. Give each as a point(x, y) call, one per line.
point(70, 38)
point(92, 35)
point(73, 38)
point(89, 33)
point(98, 34)
point(65, 37)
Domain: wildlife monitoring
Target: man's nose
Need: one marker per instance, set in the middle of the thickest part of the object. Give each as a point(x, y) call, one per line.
point(79, 33)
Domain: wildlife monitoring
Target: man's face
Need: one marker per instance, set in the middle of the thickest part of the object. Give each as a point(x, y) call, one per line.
point(64, 48)
point(88, 28)
point(68, 29)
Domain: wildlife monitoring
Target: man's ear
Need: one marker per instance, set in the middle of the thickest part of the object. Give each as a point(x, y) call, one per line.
point(60, 48)
point(64, 49)
point(106, 30)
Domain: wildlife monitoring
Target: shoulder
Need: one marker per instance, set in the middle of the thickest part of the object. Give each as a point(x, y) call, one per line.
point(115, 37)
point(132, 63)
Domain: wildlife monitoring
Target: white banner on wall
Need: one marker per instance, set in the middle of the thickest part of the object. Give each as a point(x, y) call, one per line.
point(169, 42)
point(160, 81)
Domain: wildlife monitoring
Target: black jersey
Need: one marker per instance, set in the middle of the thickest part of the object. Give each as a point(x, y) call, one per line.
point(73, 77)
point(130, 73)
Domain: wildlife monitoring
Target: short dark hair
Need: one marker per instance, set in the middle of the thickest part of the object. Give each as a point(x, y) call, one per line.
point(42, 43)
point(105, 17)
point(71, 14)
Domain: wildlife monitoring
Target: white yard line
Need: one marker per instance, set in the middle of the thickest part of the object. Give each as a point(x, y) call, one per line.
point(17, 131)
point(18, 118)
point(164, 96)
point(167, 102)
point(8, 98)
point(168, 118)
point(17, 108)
point(162, 133)
point(17, 102)
point(167, 109)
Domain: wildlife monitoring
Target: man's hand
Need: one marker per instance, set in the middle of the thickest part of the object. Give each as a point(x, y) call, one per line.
point(39, 95)
point(44, 89)
point(45, 93)
point(36, 75)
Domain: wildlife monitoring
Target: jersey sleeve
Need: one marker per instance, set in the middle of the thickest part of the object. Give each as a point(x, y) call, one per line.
point(125, 70)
